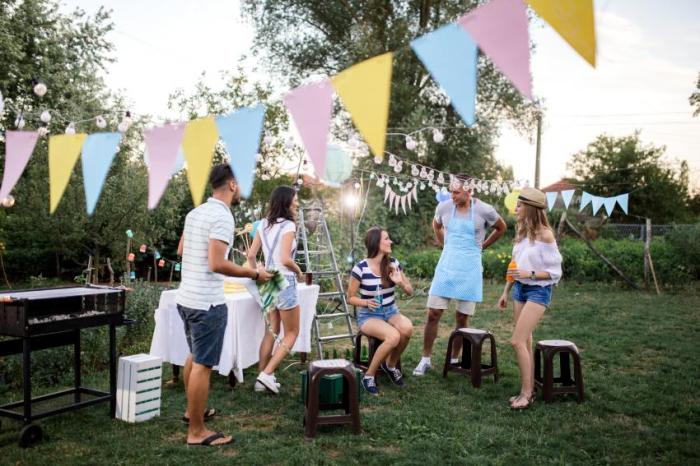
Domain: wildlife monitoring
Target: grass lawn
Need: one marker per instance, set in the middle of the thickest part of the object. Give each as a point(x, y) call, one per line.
point(640, 364)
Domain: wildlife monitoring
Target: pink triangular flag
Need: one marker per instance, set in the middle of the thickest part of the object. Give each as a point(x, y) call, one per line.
point(310, 107)
point(392, 196)
point(415, 193)
point(162, 144)
point(403, 203)
point(19, 146)
point(386, 192)
point(499, 27)
point(409, 195)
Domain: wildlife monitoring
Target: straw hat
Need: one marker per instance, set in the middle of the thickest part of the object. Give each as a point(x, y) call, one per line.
point(533, 197)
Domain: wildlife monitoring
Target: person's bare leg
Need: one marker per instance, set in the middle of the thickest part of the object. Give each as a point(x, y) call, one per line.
point(187, 369)
point(431, 330)
point(405, 329)
point(197, 396)
point(461, 321)
point(290, 322)
point(268, 342)
point(390, 337)
point(527, 321)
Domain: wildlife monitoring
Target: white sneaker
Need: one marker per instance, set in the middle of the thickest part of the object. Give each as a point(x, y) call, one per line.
point(422, 367)
point(454, 361)
point(258, 387)
point(269, 382)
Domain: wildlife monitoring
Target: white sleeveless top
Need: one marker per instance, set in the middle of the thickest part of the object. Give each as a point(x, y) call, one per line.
point(540, 257)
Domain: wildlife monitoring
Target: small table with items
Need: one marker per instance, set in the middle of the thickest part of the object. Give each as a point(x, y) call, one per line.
point(245, 329)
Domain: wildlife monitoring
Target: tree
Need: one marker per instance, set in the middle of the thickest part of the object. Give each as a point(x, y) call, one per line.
point(610, 166)
point(695, 98)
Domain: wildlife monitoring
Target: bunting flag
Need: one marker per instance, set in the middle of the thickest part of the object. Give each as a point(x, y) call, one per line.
point(409, 196)
point(574, 21)
point(162, 145)
point(609, 203)
point(310, 107)
point(19, 146)
point(415, 193)
point(241, 132)
point(623, 201)
point(99, 150)
point(365, 89)
point(403, 204)
point(596, 203)
point(500, 29)
point(585, 199)
point(387, 190)
point(551, 199)
point(566, 197)
point(64, 150)
point(198, 143)
point(449, 54)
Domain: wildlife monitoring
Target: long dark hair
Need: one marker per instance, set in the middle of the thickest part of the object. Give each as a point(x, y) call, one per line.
point(280, 203)
point(372, 239)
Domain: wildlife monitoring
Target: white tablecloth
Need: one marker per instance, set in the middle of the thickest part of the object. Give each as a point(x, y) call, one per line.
point(244, 330)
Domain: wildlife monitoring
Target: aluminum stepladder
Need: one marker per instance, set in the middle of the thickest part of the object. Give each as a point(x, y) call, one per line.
point(315, 252)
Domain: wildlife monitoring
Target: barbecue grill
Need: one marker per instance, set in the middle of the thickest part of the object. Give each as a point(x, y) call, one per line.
point(51, 317)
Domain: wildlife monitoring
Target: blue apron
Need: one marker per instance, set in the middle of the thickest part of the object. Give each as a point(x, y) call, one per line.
point(458, 274)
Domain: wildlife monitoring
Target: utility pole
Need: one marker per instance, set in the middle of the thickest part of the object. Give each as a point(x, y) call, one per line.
point(537, 153)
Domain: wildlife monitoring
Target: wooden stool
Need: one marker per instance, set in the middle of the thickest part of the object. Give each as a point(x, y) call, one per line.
point(372, 345)
point(547, 349)
point(350, 403)
point(472, 343)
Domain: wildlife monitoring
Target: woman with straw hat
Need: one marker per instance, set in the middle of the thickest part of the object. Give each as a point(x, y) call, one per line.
point(538, 268)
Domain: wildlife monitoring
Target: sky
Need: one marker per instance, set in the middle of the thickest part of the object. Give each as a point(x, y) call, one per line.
point(647, 66)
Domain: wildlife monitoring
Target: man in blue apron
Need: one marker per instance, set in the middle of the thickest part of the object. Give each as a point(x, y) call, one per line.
point(460, 225)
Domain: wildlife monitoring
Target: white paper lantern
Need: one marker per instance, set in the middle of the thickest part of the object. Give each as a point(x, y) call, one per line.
point(411, 143)
point(438, 136)
point(45, 116)
point(414, 170)
point(42, 131)
point(100, 122)
point(40, 89)
point(377, 160)
point(9, 201)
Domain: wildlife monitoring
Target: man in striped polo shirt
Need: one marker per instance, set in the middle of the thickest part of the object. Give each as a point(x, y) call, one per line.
point(204, 247)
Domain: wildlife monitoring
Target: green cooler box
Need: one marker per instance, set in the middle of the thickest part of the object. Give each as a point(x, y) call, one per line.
point(331, 388)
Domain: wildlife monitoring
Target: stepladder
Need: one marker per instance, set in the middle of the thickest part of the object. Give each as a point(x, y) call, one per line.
point(316, 256)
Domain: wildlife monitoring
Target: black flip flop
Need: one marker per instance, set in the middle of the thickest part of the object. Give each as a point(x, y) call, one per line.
point(207, 442)
point(208, 414)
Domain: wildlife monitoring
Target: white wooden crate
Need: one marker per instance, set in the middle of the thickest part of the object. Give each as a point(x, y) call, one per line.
point(138, 387)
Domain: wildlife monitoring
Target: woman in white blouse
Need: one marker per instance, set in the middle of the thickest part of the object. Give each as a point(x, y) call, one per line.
point(538, 267)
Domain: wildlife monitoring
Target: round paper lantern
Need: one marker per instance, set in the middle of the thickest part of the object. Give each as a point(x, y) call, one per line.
point(161, 263)
point(131, 257)
point(142, 248)
point(511, 200)
point(338, 167)
point(442, 197)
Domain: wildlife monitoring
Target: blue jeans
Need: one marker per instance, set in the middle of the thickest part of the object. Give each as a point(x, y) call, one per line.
point(364, 314)
point(204, 331)
point(534, 293)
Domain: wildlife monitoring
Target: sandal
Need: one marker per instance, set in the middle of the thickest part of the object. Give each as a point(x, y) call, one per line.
point(209, 441)
point(530, 400)
point(208, 414)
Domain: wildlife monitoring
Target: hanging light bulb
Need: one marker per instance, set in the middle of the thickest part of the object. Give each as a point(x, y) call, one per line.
point(45, 116)
point(377, 160)
point(411, 143)
point(398, 167)
point(409, 185)
point(422, 186)
point(9, 201)
point(431, 175)
point(414, 170)
point(40, 89)
point(380, 183)
point(125, 124)
point(371, 176)
point(19, 121)
point(438, 136)
point(300, 181)
point(70, 129)
point(423, 173)
point(441, 178)
point(392, 160)
point(100, 122)
point(42, 131)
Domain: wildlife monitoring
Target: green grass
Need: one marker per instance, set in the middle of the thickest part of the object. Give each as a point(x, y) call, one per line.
point(640, 363)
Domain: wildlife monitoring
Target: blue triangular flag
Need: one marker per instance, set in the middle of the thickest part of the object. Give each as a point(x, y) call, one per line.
point(585, 199)
point(240, 132)
point(449, 54)
point(596, 203)
point(551, 199)
point(609, 203)
point(566, 196)
point(98, 153)
point(623, 200)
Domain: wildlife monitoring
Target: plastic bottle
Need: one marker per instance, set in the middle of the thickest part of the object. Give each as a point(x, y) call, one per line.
point(511, 266)
point(379, 298)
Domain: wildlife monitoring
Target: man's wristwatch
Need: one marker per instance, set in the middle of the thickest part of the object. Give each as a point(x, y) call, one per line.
point(532, 275)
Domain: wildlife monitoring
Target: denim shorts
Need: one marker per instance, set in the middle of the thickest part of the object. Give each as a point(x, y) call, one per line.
point(534, 293)
point(289, 297)
point(204, 331)
point(364, 314)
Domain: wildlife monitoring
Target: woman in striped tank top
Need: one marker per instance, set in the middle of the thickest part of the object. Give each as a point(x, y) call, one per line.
point(375, 279)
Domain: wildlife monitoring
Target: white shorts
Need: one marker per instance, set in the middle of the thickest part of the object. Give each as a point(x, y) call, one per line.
point(440, 303)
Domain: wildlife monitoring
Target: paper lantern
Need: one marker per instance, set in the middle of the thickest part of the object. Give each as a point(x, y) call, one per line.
point(157, 255)
point(511, 200)
point(338, 167)
point(131, 257)
point(254, 228)
point(132, 276)
point(142, 248)
point(161, 263)
point(442, 197)
point(177, 267)
point(129, 234)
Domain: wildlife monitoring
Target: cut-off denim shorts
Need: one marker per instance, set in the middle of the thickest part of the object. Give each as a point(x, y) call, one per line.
point(534, 293)
point(289, 297)
point(364, 314)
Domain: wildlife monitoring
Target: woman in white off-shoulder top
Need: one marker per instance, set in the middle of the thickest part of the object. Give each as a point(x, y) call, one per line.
point(538, 267)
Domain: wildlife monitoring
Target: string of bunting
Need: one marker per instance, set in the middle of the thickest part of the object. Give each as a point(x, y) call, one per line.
point(498, 27)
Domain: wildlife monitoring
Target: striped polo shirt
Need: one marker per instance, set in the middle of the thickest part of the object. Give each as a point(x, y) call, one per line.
point(371, 284)
point(200, 288)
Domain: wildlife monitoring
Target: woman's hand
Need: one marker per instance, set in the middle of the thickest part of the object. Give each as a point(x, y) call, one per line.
point(518, 273)
point(301, 277)
point(371, 304)
point(503, 301)
point(396, 276)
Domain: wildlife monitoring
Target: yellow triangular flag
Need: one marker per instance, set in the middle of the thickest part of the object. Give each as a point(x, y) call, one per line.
point(198, 145)
point(365, 90)
point(64, 150)
point(574, 22)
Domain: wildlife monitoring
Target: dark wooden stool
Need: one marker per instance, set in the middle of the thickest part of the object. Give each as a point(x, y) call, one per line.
point(350, 402)
point(372, 345)
point(547, 349)
point(472, 342)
